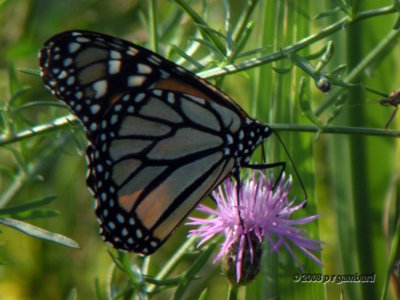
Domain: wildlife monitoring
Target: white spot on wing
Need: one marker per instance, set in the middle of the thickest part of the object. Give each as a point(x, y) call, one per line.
point(114, 119)
point(120, 218)
point(100, 88)
point(144, 69)
point(111, 225)
point(154, 59)
point(93, 126)
point(62, 75)
point(78, 95)
point(95, 108)
point(229, 139)
point(73, 47)
point(70, 80)
point(136, 80)
point(132, 51)
point(83, 40)
point(139, 97)
point(157, 93)
point(67, 61)
point(197, 99)
point(171, 97)
point(114, 66)
point(115, 55)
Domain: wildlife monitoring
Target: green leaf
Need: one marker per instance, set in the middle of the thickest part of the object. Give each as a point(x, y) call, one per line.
point(317, 54)
point(340, 82)
point(338, 71)
point(208, 33)
point(99, 293)
point(243, 41)
point(256, 51)
point(326, 57)
point(170, 282)
point(327, 13)
point(30, 71)
point(303, 64)
point(344, 6)
point(14, 84)
point(282, 70)
point(210, 46)
point(336, 108)
point(187, 57)
point(305, 104)
point(19, 93)
point(73, 294)
point(34, 104)
point(35, 214)
point(193, 271)
point(39, 233)
point(204, 295)
point(28, 206)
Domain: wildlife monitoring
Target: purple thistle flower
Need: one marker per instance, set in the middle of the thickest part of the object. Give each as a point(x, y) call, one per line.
point(265, 214)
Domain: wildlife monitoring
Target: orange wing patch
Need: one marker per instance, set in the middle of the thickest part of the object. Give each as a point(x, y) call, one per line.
point(128, 201)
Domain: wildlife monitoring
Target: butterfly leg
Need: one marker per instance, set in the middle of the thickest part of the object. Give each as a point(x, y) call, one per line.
point(393, 114)
point(280, 164)
point(236, 175)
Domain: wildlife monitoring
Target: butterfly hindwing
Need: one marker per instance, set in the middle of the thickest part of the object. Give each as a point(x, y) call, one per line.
point(144, 169)
point(160, 137)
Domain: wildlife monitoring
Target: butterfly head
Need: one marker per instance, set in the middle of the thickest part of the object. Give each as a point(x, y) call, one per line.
point(252, 134)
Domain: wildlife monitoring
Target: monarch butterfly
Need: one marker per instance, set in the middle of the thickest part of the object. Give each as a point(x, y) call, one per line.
point(160, 138)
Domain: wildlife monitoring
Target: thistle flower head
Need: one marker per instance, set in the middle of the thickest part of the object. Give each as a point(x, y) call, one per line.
point(262, 213)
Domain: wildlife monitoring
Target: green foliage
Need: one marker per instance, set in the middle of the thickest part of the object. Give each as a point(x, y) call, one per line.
point(288, 51)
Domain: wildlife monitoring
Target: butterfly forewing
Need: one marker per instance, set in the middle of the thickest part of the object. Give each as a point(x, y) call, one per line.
point(160, 137)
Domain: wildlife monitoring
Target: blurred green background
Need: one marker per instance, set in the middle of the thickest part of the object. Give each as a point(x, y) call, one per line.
point(351, 179)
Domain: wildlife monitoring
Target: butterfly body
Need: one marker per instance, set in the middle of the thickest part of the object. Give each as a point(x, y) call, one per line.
point(160, 138)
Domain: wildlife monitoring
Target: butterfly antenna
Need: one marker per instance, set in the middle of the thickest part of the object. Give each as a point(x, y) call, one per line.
point(292, 163)
point(373, 91)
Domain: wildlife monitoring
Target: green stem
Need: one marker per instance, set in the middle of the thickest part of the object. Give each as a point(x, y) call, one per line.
point(279, 55)
point(360, 200)
point(14, 187)
point(54, 125)
point(244, 20)
point(336, 130)
point(392, 256)
point(70, 120)
point(232, 292)
point(174, 260)
point(153, 24)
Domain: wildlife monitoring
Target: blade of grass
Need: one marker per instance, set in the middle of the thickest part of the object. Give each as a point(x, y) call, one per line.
point(39, 233)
